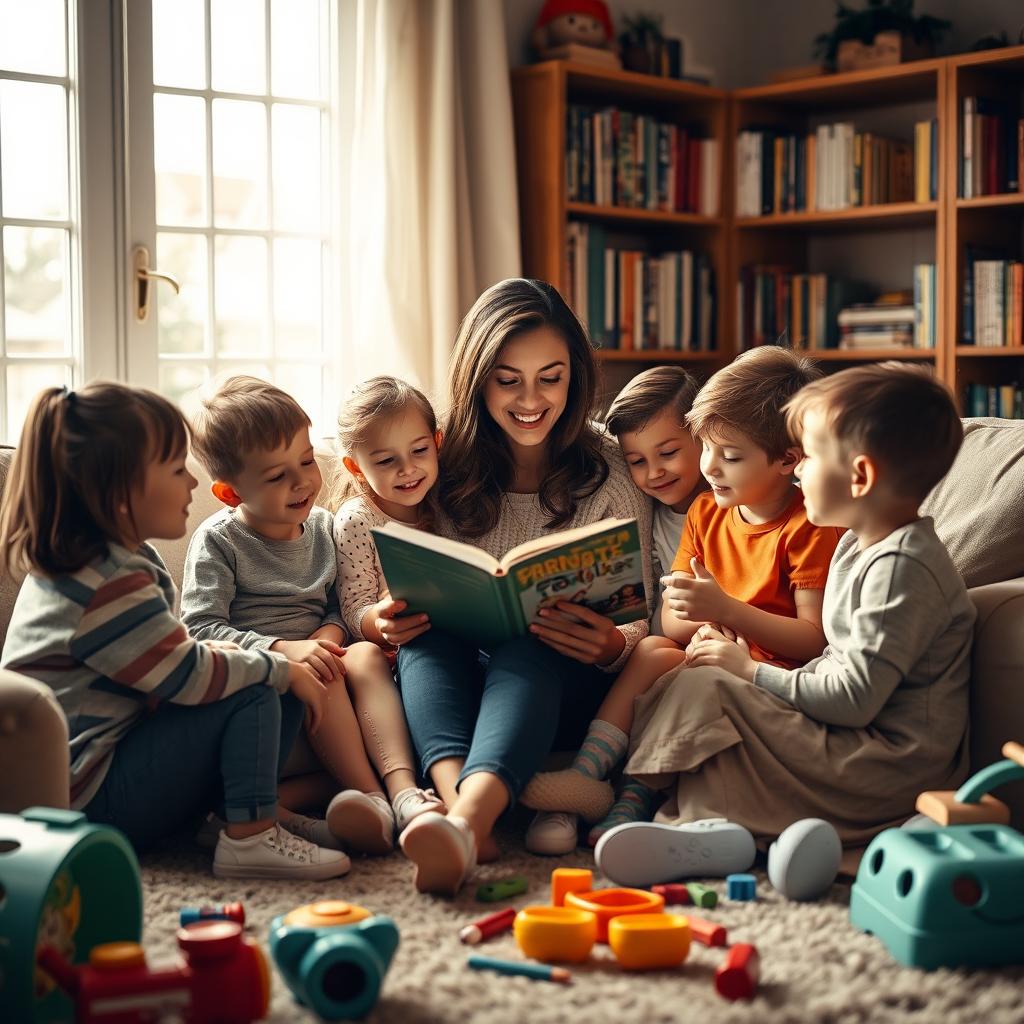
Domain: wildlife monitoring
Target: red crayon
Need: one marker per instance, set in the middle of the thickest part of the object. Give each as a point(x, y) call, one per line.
point(737, 977)
point(493, 924)
point(674, 893)
point(708, 932)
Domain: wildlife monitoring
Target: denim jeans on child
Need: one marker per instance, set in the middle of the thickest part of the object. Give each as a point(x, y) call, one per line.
point(504, 716)
point(183, 760)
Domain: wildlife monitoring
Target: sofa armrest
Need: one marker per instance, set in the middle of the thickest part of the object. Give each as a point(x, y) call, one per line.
point(34, 769)
point(997, 681)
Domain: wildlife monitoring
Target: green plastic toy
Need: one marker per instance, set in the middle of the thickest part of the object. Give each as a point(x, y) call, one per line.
point(491, 892)
point(702, 896)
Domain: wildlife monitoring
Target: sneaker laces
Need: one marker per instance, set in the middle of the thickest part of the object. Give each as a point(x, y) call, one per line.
point(301, 826)
point(561, 819)
point(292, 846)
point(414, 795)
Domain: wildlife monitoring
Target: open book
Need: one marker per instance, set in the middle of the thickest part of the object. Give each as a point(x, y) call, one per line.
point(467, 592)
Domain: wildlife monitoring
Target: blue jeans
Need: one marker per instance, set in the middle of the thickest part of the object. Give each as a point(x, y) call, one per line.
point(183, 760)
point(502, 717)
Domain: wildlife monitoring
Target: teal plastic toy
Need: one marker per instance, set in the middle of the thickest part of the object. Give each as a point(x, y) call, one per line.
point(66, 884)
point(947, 897)
point(334, 956)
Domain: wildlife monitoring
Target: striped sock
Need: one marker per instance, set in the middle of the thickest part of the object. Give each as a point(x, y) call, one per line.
point(601, 750)
point(635, 803)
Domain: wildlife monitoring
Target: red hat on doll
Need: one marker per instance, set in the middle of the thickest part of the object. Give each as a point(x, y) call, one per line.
point(595, 9)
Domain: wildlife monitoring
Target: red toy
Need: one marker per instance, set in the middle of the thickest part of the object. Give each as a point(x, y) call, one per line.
point(707, 932)
point(585, 22)
point(212, 912)
point(675, 893)
point(222, 977)
point(736, 978)
point(486, 927)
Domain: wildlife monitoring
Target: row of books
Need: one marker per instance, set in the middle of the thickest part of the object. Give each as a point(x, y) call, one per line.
point(993, 311)
point(619, 158)
point(635, 300)
point(1006, 400)
point(903, 319)
point(832, 168)
point(991, 148)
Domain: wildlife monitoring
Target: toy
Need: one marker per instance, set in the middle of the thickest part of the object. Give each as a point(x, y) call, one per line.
point(218, 912)
point(580, 29)
point(65, 884)
point(741, 887)
point(609, 903)
point(971, 804)
point(493, 924)
point(556, 933)
point(539, 971)
point(804, 861)
point(566, 880)
point(117, 980)
point(737, 976)
point(702, 896)
point(675, 893)
point(333, 956)
point(503, 889)
point(647, 853)
point(707, 932)
point(649, 941)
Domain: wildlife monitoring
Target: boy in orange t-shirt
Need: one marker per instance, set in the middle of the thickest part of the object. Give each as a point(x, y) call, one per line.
point(749, 563)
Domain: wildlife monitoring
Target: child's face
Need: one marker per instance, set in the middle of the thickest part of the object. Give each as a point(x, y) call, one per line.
point(824, 473)
point(740, 472)
point(159, 506)
point(398, 461)
point(278, 487)
point(663, 459)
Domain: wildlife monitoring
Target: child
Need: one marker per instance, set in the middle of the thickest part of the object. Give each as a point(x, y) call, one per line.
point(154, 716)
point(855, 734)
point(261, 573)
point(748, 561)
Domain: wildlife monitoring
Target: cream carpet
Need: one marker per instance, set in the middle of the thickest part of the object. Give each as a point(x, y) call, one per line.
point(814, 966)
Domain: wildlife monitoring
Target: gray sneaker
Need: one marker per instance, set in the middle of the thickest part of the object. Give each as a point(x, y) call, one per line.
point(276, 853)
point(552, 833)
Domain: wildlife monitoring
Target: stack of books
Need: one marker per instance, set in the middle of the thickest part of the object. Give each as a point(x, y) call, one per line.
point(635, 300)
point(993, 300)
point(887, 322)
point(1006, 400)
point(617, 158)
point(991, 148)
point(832, 168)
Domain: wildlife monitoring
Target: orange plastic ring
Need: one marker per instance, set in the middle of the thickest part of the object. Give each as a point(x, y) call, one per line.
point(609, 903)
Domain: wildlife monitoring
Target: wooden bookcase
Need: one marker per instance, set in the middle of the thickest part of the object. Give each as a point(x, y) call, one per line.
point(935, 231)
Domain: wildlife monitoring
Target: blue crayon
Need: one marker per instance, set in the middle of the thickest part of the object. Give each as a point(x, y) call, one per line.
point(542, 972)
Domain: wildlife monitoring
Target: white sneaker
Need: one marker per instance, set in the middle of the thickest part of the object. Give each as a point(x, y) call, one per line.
point(411, 803)
point(276, 853)
point(552, 833)
point(313, 830)
point(363, 822)
point(443, 848)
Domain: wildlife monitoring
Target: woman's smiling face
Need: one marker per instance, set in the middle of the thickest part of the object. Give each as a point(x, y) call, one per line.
point(528, 389)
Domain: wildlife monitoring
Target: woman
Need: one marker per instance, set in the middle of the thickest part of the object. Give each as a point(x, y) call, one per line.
point(520, 457)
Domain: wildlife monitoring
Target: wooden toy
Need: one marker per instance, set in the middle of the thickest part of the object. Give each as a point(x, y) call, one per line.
point(737, 976)
point(675, 893)
point(609, 903)
point(503, 889)
point(707, 932)
point(565, 880)
point(741, 887)
point(65, 884)
point(556, 933)
point(643, 942)
point(971, 803)
point(538, 971)
point(218, 912)
point(486, 927)
point(804, 861)
point(702, 896)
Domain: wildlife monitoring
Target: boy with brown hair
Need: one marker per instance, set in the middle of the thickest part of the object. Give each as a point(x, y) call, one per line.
point(748, 562)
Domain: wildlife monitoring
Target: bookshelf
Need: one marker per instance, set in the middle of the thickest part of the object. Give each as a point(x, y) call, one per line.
point(880, 242)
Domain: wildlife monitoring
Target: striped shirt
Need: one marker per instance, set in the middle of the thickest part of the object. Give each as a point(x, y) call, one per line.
point(106, 640)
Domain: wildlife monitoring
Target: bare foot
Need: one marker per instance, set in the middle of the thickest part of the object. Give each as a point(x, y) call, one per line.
point(488, 851)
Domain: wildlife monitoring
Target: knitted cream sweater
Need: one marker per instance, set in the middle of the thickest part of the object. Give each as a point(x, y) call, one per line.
point(523, 519)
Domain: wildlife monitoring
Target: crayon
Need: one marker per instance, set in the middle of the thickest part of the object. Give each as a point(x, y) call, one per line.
point(493, 924)
point(541, 972)
point(707, 932)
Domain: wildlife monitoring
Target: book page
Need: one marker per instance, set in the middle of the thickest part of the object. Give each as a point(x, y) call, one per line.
point(556, 540)
point(467, 553)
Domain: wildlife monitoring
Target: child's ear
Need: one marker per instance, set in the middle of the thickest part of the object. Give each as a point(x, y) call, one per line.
point(352, 466)
point(226, 493)
point(863, 476)
point(438, 438)
point(791, 459)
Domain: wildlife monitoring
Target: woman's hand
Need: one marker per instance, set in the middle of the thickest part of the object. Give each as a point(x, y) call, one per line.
point(733, 656)
point(394, 627)
point(579, 633)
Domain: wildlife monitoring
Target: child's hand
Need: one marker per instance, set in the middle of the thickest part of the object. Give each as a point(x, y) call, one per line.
point(733, 656)
point(698, 598)
point(303, 682)
point(709, 631)
point(579, 633)
point(394, 627)
point(322, 656)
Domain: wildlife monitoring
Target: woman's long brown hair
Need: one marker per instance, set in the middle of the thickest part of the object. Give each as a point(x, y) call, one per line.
point(477, 466)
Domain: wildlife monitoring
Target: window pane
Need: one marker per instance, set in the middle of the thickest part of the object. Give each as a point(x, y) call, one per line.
point(24, 382)
point(179, 43)
point(179, 152)
point(35, 291)
point(297, 296)
point(181, 319)
point(240, 273)
point(34, 144)
point(239, 164)
point(179, 382)
point(296, 168)
point(238, 45)
point(297, 35)
point(306, 385)
point(32, 37)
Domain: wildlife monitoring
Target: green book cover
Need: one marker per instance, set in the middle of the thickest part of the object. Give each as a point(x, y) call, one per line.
point(487, 601)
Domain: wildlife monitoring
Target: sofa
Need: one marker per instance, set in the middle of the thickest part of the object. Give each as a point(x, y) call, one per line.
point(979, 514)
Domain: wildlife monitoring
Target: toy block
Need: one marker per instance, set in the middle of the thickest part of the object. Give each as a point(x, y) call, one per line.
point(707, 932)
point(702, 896)
point(737, 977)
point(741, 887)
point(566, 880)
point(943, 807)
point(491, 892)
point(675, 893)
point(1014, 752)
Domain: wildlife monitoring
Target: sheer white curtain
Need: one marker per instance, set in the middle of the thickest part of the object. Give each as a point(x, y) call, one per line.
point(430, 216)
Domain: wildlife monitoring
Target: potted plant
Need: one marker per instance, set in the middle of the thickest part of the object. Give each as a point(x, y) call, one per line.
point(854, 40)
point(640, 41)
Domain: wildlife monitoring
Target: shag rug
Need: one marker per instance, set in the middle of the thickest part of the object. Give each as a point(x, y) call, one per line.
point(814, 966)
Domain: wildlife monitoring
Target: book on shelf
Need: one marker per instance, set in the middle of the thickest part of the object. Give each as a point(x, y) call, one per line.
point(634, 300)
point(487, 601)
point(1004, 400)
point(991, 148)
point(925, 305)
point(993, 301)
point(616, 157)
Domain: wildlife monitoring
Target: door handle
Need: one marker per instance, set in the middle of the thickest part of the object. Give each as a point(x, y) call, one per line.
point(142, 276)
